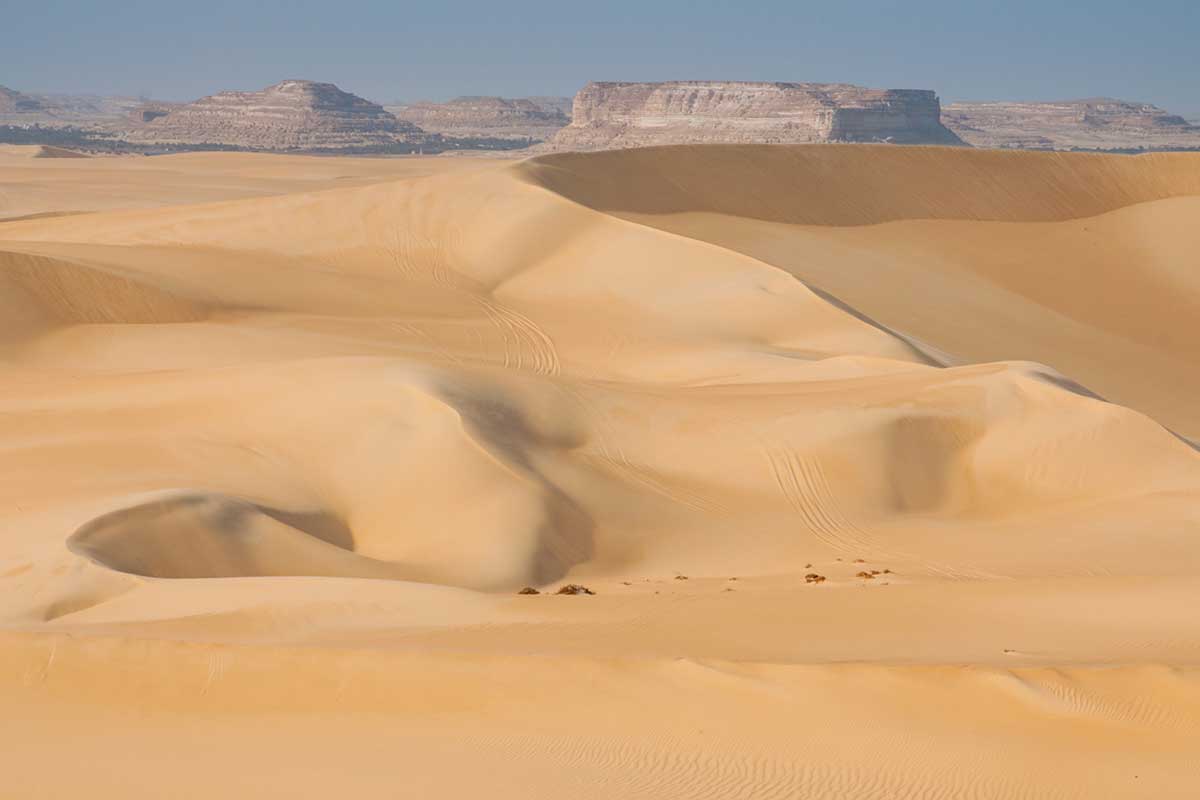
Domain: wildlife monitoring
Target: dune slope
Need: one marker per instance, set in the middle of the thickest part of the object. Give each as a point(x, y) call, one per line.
point(876, 460)
point(1083, 262)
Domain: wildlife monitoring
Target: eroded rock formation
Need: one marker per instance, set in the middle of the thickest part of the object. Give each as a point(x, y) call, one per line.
point(14, 102)
point(292, 115)
point(480, 117)
point(1101, 123)
point(616, 115)
point(563, 105)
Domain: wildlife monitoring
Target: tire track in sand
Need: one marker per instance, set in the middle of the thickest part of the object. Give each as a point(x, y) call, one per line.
point(526, 346)
point(614, 458)
point(805, 487)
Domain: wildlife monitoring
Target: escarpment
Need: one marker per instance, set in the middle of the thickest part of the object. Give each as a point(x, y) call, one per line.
point(618, 115)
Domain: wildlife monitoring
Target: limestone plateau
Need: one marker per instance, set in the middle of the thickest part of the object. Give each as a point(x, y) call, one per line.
point(484, 117)
point(293, 115)
point(616, 115)
point(1099, 123)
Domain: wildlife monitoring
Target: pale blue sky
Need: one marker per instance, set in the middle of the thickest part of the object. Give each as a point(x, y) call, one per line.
point(1053, 49)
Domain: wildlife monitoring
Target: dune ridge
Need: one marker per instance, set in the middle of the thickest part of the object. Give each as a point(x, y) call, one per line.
point(864, 184)
point(298, 451)
point(1078, 261)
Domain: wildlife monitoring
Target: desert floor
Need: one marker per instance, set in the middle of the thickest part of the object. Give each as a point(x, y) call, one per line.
point(281, 438)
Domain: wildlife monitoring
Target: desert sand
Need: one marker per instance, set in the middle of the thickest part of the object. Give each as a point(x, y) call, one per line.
point(283, 437)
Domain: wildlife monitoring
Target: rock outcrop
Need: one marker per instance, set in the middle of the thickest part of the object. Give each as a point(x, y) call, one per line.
point(484, 117)
point(290, 116)
point(1100, 123)
point(150, 111)
point(617, 115)
point(85, 112)
point(87, 107)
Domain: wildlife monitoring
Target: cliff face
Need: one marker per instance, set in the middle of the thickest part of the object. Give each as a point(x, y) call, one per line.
point(148, 112)
point(292, 115)
point(1101, 123)
point(617, 115)
point(496, 117)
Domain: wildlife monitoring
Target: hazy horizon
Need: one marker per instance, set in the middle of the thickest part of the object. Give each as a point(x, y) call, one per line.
point(1023, 51)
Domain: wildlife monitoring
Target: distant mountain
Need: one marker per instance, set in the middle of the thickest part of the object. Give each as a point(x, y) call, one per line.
point(294, 115)
point(14, 102)
point(562, 105)
point(59, 111)
point(89, 106)
point(498, 117)
point(1094, 123)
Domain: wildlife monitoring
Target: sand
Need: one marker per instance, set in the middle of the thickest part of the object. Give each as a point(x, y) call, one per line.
point(283, 437)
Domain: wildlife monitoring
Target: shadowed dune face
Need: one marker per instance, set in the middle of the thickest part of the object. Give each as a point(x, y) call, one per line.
point(211, 536)
point(852, 185)
point(49, 151)
point(942, 383)
point(199, 536)
point(396, 465)
point(58, 292)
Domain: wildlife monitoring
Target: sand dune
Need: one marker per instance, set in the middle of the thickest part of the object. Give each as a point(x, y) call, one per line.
point(57, 184)
point(276, 464)
point(851, 185)
point(1077, 261)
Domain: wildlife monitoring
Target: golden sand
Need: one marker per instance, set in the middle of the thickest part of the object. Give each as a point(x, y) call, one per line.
point(282, 437)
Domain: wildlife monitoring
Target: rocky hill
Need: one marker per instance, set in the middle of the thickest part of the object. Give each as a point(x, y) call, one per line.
point(63, 110)
point(293, 115)
point(617, 115)
point(497, 117)
point(1098, 123)
point(14, 102)
point(84, 107)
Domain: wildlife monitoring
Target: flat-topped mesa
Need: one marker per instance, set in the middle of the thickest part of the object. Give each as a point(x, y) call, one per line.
point(1098, 123)
point(617, 115)
point(292, 115)
point(496, 117)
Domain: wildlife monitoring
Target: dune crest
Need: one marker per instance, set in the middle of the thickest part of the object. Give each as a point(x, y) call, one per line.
point(1078, 261)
